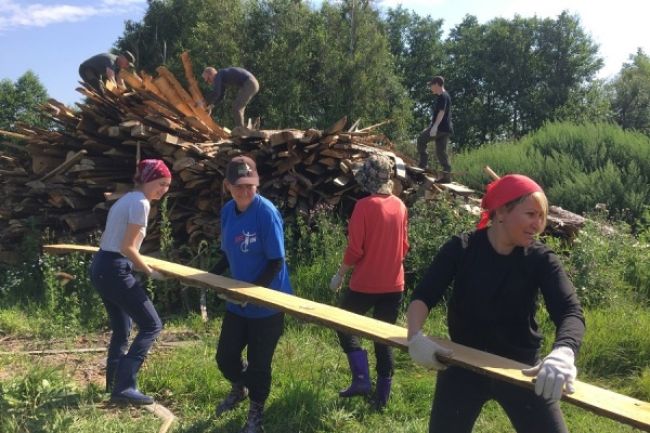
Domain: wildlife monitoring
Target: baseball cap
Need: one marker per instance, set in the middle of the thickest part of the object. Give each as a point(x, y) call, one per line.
point(241, 170)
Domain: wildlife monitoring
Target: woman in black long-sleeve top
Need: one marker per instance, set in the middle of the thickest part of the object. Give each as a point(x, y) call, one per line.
point(496, 274)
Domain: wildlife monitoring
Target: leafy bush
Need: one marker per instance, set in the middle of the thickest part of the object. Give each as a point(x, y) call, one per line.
point(315, 244)
point(606, 264)
point(579, 166)
point(431, 224)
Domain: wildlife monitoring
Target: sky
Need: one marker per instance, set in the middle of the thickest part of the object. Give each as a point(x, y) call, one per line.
point(52, 37)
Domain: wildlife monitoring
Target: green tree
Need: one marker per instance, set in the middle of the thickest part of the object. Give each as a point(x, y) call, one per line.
point(282, 44)
point(588, 103)
point(472, 97)
point(209, 29)
point(417, 47)
point(372, 91)
point(313, 66)
point(513, 75)
point(19, 101)
point(632, 94)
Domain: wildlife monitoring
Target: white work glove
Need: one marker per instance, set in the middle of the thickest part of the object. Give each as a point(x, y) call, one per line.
point(155, 275)
point(554, 373)
point(336, 282)
point(423, 351)
point(433, 131)
point(232, 301)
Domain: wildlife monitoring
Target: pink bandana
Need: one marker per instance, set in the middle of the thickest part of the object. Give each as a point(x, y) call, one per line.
point(151, 169)
point(503, 191)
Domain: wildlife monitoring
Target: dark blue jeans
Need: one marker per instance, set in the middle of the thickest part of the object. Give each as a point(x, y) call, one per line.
point(125, 301)
point(460, 395)
point(385, 307)
point(261, 336)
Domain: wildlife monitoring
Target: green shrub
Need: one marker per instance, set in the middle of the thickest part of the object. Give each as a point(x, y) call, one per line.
point(23, 282)
point(606, 263)
point(579, 166)
point(75, 303)
point(314, 245)
point(431, 224)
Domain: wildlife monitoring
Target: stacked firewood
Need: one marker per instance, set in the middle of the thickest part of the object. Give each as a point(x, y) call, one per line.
point(77, 169)
point(65, 178)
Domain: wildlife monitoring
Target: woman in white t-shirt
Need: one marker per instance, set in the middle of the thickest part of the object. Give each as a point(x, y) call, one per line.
point(124, 297)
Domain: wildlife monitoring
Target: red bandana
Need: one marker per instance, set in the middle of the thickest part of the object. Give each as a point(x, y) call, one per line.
point(505, 190)
point(151, 169)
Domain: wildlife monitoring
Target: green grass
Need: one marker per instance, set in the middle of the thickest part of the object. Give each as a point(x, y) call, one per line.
point(309, 369)
point(39, 394)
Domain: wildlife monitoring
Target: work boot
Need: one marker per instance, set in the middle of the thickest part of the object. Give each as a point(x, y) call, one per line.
point(255, 417)
point(360, 385)
point(237, 394)
point(382, 392)
point(125, 390)
point(445, 178)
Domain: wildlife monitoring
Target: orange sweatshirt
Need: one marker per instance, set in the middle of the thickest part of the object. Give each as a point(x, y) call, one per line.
point(377, 244)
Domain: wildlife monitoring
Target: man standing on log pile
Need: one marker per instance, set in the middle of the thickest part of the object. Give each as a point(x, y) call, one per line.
point(439, 129)
point(105, 66)
point(235, 77)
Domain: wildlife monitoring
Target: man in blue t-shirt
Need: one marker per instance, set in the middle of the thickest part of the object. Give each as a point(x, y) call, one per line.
point(252, 240)
point(439, 129)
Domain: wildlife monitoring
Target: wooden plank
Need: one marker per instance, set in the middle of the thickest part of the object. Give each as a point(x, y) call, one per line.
point(603, 402)
point(193, 86)
point(69, 162)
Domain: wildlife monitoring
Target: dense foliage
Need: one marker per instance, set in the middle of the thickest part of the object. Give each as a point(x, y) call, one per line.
point(506, 77)
point(579, 166)
point(19, 101)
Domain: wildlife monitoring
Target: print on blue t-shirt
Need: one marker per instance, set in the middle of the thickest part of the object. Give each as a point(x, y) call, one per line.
point(250, 239)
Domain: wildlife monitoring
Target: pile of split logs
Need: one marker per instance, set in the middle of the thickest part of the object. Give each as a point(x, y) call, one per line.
point(66, 177)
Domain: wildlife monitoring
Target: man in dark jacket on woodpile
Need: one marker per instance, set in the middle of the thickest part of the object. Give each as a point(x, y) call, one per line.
point(235, 77)
point(439, 130)
point(105, 66)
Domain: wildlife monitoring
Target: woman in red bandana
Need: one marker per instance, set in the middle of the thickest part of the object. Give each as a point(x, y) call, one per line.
point(496, 274)
point(124, 297)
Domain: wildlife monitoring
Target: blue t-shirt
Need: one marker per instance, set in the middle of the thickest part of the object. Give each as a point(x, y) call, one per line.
point(250, 239)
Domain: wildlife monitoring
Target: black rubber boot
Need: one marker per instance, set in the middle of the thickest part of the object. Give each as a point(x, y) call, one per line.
point(255, 418)
point(382, 392)
point(237, 394)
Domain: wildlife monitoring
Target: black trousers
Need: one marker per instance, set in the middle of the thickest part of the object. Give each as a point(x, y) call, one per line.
point(385, 307)
point(460, 395)
point(261, 336)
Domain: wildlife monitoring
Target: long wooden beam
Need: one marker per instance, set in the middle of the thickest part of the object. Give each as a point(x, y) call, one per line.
point(603, 402)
